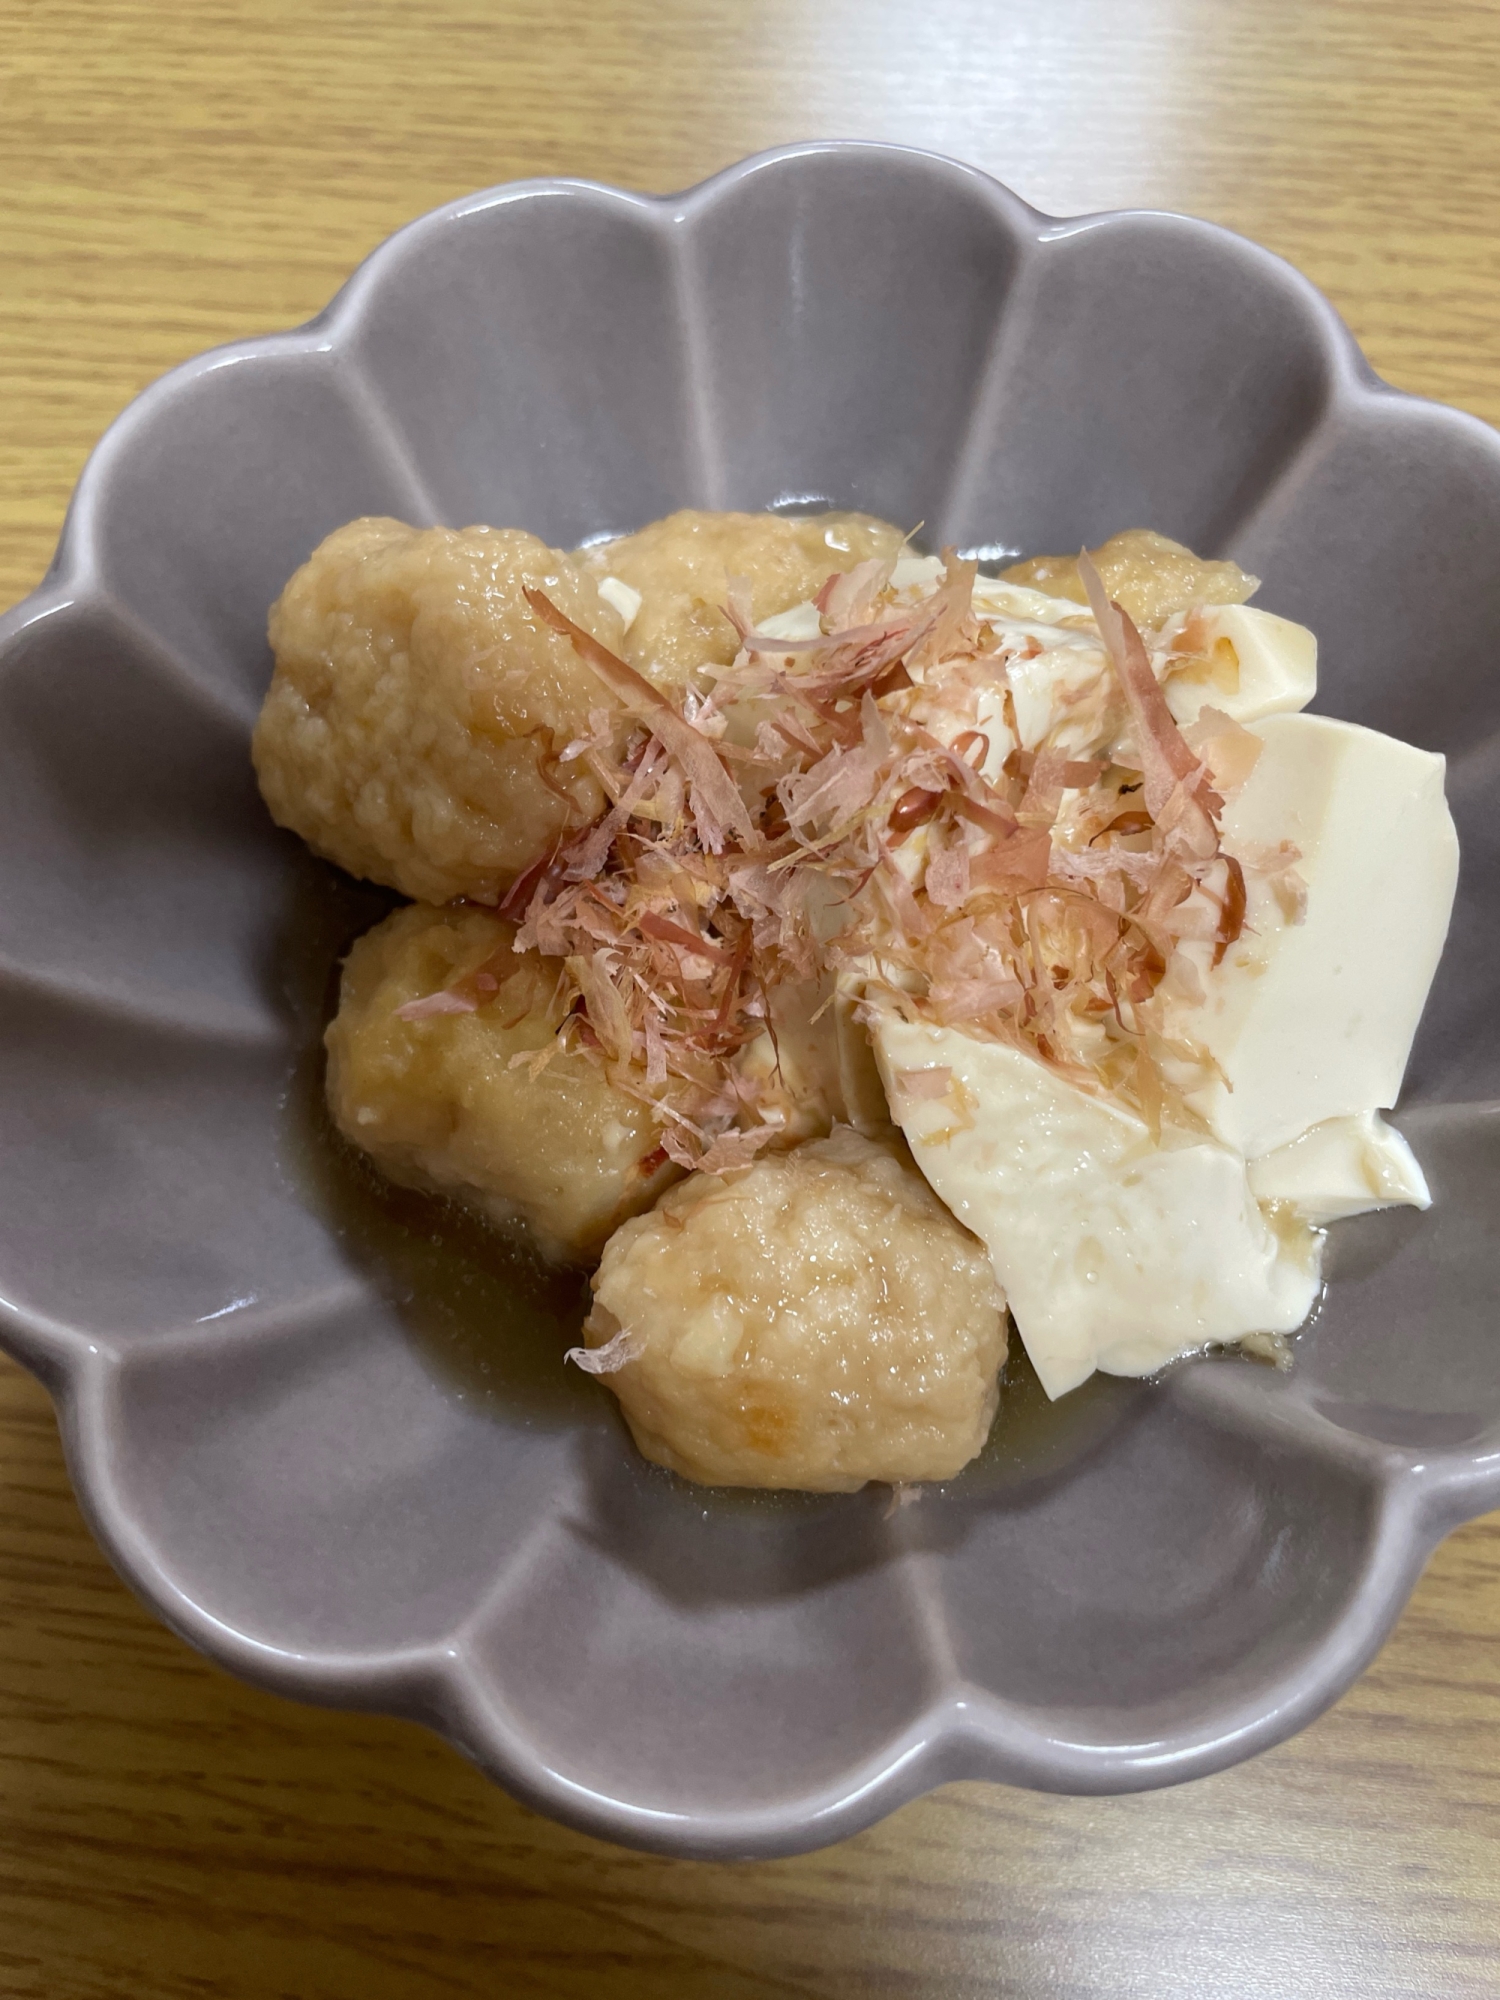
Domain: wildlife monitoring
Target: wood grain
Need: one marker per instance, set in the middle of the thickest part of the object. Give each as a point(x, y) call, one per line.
point(177, 176)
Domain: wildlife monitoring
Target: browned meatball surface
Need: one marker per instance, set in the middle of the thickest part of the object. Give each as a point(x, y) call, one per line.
point(418, 708)
point(816, 1321)
point(681, 567)
point(437, 1102)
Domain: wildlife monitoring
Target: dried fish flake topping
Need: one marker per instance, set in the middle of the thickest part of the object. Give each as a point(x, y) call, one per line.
point(985, 820)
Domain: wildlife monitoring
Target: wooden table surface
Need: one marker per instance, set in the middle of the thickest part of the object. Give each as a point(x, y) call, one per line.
point(176, 175)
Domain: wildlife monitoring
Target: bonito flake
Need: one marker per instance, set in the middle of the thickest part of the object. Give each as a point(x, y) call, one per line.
point(863, 804)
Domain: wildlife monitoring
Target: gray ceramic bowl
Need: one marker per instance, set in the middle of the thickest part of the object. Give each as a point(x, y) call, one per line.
point(348, 1464)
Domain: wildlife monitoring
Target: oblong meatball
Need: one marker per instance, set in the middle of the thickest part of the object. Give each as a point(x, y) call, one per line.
point(418, 705)
point(816, 1321)
point(681, 567)
point(437, 1105)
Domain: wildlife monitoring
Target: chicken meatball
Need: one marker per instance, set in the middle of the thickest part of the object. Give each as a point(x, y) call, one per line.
point(436, 1103)
point(418, 707)
point(681, 568)
point(816, 1321)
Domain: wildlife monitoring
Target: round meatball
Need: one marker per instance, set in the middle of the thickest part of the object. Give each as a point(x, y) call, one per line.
point(815, 1321)
point(681, 567)
point(437, 1105)
point(418, 706)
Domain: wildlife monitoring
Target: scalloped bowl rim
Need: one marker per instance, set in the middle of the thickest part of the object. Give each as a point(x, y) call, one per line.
point(967, 1734)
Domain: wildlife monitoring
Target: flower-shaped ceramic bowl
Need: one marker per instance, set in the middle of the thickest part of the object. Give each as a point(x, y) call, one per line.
point(343, 1458)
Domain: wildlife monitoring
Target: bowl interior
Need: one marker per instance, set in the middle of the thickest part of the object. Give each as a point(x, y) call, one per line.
point(331, 1436)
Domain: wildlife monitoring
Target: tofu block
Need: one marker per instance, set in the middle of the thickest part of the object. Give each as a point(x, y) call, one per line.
point(1115, 1252)
point(1254, 664)
point(1345, 1166)
point(1314, 1020)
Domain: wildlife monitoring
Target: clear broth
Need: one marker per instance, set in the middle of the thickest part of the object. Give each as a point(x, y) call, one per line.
point(492, 1317)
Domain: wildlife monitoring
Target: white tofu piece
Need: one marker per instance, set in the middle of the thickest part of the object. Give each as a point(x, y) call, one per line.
point(802, 621)
point(1345, 1166)
point(1315, 1020)
point(1066, 696)
point(1115, 1252)
point(922, 573)
point(1255, 664)
point(948, 724)
point(1017, 604)
point(622, 598)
